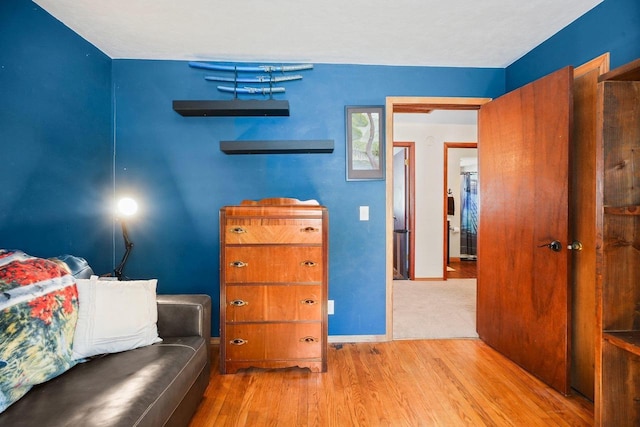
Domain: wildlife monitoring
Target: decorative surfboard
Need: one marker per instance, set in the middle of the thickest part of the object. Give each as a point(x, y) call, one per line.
point(251, 69)
point(257, 79)
point(252, 90)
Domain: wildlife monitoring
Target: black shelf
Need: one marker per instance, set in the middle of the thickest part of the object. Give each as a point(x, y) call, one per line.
point(234, 107)
point(277, 147)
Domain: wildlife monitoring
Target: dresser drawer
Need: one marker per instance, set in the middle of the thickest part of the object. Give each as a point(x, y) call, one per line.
point(273, 341)
point(260, 264)
point(273, 303)
point(296, 231)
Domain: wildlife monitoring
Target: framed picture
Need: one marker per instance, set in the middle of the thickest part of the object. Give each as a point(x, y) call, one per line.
point(365, 142)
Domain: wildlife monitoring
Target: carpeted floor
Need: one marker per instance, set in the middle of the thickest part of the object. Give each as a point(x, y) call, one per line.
point(434, 310)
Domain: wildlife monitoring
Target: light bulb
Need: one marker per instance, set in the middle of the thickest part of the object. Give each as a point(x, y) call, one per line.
point(127, 206)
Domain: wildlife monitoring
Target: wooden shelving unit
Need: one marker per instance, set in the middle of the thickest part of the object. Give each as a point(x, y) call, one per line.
point(626, 340)
point(617, 400)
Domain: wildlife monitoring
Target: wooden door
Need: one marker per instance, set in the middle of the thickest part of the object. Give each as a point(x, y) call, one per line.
point(523, 280)
point(582, 223)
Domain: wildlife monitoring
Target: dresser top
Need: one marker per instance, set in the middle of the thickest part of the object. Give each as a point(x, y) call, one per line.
point(279, 201)
point(276, 207)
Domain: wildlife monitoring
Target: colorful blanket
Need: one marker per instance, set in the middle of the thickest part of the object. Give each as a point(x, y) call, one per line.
point(38, 314)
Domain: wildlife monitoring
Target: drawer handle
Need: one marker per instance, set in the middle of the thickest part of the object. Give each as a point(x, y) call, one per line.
point(238, 264)
point(308, 263)
point(309, 230)
point(238, 230)
point(238, 341)
point(238, 303)
point(308, 301)
point(309, 340)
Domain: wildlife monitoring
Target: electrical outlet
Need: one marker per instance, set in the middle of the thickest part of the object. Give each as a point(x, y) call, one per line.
point(330, 307)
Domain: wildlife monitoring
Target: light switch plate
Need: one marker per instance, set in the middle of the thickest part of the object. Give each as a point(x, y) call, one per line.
point(330, 306)
point(364, 213)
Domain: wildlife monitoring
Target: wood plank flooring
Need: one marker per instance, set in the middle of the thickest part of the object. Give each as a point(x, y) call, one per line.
point(463, 269)
point(398, 383)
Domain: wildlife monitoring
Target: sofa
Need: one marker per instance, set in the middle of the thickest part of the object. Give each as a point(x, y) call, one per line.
point(153, 385)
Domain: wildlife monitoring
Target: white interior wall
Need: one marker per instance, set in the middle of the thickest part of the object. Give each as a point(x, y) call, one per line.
point(429, 141)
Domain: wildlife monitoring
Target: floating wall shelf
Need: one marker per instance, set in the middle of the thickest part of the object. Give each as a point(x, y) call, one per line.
point(235, 107)
point(277, 147)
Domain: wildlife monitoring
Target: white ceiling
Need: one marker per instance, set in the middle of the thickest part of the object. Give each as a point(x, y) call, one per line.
point(459, 33)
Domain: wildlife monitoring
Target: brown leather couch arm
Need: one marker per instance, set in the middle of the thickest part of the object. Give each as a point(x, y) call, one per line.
point(184, 315)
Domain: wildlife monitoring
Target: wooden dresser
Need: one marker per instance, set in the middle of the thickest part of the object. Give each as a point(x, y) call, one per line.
point(273, 285)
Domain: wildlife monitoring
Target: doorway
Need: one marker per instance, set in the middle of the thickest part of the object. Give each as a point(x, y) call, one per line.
point(412, 105)
point(460, 209)
point(428, 307)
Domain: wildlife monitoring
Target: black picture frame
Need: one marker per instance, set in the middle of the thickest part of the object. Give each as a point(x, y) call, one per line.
point(365, 142)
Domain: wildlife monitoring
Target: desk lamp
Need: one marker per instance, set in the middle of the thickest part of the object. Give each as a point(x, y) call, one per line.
point(127, 207)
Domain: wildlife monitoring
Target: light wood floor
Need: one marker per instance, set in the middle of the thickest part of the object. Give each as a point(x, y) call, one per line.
point(399, 383)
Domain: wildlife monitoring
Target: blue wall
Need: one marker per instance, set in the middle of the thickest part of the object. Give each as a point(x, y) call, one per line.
point(55, 131)
point(174, 165)
point(612, 26)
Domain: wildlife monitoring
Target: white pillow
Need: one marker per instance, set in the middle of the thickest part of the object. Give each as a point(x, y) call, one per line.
point(115, 316)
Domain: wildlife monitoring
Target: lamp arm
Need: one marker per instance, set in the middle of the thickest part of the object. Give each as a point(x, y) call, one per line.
point(128, 246)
